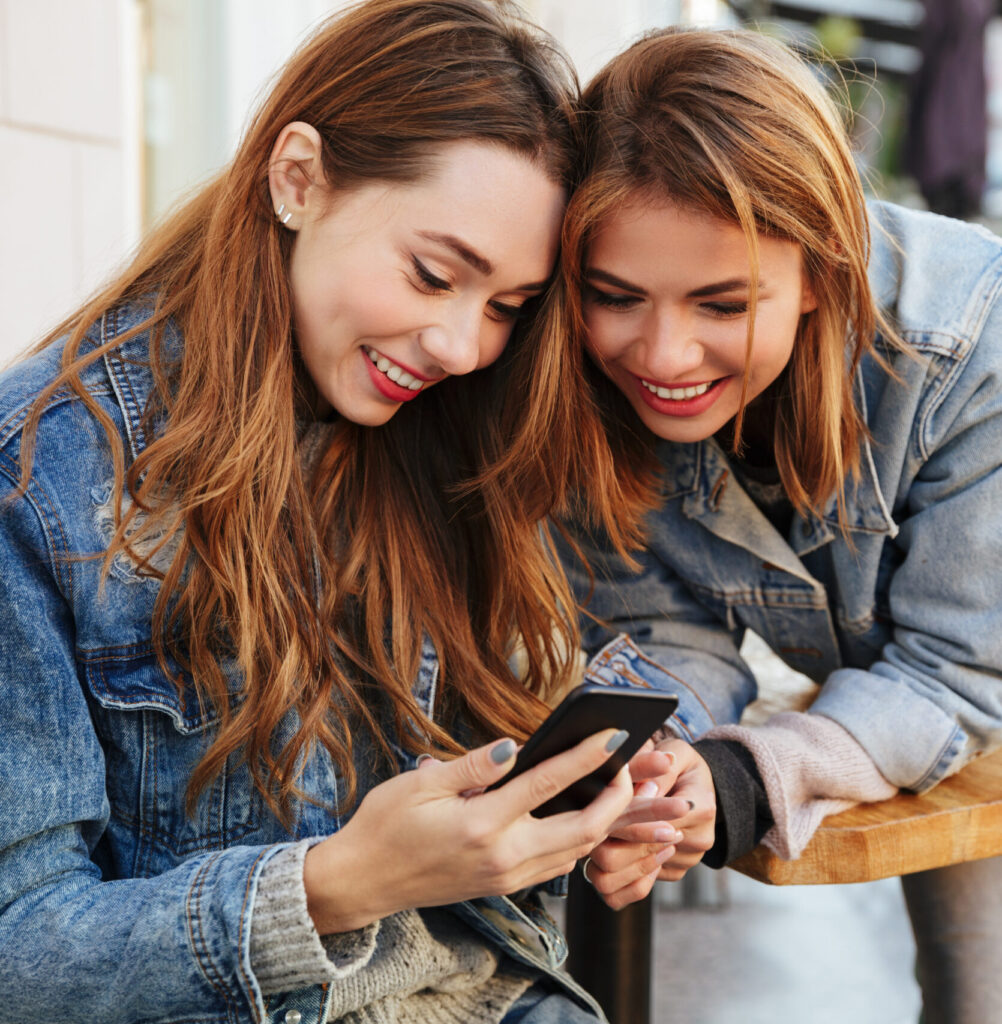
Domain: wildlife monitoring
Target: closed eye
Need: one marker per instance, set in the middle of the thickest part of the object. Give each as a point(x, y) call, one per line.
point(611, 300)
point(725, 309)
point(503, 311)
point(430, 284)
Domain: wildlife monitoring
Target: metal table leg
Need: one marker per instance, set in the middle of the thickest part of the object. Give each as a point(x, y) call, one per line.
point(610, 952)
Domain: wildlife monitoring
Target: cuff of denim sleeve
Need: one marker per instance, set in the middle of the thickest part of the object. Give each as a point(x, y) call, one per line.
point(285, 950)
point(811, 767)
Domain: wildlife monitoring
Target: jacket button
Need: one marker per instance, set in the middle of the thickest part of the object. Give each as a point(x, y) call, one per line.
point(292, 1017)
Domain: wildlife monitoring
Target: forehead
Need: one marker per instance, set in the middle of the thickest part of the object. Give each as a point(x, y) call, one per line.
point(661, 237)
point(500, 202)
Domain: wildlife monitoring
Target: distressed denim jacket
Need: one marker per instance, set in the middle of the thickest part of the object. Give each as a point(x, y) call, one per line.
point(115, 905)
point(900, 623)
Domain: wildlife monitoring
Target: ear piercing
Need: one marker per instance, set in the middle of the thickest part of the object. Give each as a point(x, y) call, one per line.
point(280, 211)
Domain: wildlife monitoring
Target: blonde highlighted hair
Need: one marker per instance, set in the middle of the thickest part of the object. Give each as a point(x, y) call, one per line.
point(733, 124)
point(322, 588)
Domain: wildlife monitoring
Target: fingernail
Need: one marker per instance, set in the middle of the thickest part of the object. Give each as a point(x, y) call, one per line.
point(617, 740)
point(503, 751)
point(666, 854)
point(648, 789)
point(692, 806)
point(665, 835)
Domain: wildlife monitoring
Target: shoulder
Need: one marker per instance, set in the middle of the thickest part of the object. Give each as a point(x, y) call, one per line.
point(938, 279)
point(119, 382)
point(71, 456)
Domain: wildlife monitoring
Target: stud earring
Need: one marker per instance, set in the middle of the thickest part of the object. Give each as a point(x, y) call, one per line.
point(280, 211)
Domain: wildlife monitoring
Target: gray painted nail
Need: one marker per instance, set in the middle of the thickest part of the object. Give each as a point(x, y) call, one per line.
point(617, 740)
point(503, 751)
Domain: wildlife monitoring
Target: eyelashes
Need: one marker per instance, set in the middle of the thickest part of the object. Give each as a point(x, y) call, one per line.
point(623, 303)
point(431, 284)
point(610, 300)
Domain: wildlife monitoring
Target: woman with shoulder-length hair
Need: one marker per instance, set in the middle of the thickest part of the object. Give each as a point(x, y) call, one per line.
point(269, 535)
point(801, 393)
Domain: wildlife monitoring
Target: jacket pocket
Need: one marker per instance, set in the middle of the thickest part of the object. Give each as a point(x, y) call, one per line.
point(153, 741)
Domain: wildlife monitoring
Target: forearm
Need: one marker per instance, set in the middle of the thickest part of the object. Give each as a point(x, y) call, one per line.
point(174, 946)
point(810, 767)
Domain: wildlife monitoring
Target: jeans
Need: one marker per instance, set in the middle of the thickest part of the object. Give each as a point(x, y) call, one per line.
point(540, 1005)
point(956, 915)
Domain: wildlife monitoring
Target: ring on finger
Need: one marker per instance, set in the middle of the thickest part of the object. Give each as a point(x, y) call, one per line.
point(584, 871)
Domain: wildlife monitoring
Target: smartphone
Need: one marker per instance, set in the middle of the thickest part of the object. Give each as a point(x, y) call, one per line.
point(586, 710)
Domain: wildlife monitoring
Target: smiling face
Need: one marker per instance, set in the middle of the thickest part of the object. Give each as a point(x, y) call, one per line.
point(667, 291)
point(397, 286)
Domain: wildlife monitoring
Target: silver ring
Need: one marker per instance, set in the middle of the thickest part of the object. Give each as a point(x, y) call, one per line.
point(584, 871)
point(421, 758)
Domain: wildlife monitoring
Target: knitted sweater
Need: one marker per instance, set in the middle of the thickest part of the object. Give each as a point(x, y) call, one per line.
point(414, 967)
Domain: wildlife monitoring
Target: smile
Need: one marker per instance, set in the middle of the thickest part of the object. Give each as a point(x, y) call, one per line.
point(680, 393)
point(395, 373)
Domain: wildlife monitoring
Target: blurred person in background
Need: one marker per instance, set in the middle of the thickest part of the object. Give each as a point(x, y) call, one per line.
point(946, 135)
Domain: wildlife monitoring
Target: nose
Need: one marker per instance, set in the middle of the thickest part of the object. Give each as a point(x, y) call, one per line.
point(674, 349)
point(453, 342)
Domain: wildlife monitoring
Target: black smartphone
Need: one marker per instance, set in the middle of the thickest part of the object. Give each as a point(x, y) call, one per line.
point(586, 710)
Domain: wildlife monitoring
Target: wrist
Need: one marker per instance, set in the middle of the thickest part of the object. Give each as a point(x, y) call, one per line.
point(339, 894)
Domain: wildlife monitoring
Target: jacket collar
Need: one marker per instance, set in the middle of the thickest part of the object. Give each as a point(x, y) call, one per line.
point(701, 476)
point(129, 369)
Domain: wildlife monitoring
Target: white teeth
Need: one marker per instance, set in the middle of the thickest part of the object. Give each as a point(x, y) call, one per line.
point(399, 376)
point(677, 394)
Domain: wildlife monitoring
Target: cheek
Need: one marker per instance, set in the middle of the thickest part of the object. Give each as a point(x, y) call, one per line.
point(493, 341)
point(605, 336)
point(769, 361)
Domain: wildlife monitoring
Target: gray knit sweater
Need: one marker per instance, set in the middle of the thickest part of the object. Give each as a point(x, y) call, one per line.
point(415, 967)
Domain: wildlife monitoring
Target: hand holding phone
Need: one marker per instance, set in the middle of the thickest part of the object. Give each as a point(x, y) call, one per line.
point(586, 710)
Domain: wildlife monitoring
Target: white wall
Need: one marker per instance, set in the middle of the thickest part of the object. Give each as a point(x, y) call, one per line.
point(67, 180)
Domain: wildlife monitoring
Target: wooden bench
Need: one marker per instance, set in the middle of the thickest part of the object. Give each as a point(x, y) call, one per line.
point(959, 820)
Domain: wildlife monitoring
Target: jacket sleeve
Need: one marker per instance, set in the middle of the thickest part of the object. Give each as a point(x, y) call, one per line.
point(691, 646)
point(175, 946)
point(941, 672)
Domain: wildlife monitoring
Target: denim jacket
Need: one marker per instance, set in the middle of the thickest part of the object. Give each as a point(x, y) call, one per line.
point(115, 905)
point(900, 624)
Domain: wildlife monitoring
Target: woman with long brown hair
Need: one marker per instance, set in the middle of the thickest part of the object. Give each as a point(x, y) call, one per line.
point(801, 394)
point(269, 535)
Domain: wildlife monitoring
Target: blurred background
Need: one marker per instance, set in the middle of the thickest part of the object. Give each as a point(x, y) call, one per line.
point(112, 109)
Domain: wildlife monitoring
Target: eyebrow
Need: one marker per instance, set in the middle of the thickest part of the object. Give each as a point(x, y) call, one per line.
point(733, 284)
point(471, 257)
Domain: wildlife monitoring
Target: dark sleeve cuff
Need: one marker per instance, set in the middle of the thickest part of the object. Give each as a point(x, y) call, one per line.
point(743, 815)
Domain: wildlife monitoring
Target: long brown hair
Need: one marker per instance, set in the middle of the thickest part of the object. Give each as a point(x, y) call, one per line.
point(322, 587)
point(735, 125)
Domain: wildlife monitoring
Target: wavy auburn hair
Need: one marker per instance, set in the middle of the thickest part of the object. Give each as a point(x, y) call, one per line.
point(733, 124)
point(320, 587)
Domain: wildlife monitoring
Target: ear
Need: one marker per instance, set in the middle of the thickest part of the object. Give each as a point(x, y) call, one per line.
point(296, 166)
point(808, 300)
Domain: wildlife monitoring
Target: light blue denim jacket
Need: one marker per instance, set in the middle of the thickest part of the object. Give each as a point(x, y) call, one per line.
point(902, 628)
point(115, 906)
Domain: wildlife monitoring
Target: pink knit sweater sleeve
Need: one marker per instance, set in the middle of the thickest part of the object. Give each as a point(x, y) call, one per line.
point(811, 767)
